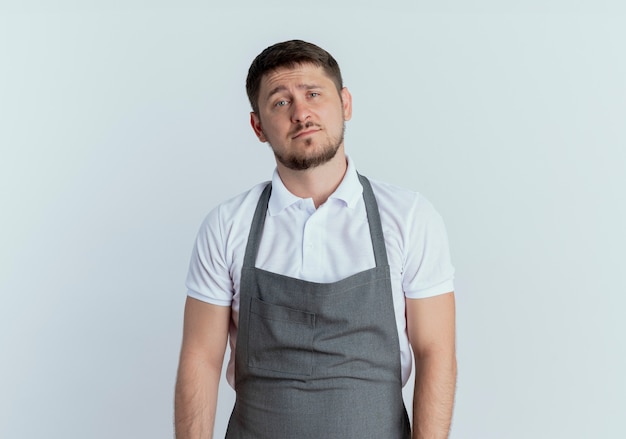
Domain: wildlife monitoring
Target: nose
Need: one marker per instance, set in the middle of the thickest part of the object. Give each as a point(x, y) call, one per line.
point(300, 111)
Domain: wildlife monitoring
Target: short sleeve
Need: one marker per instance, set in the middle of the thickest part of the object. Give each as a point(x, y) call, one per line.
point(428, 269)
point(208, 278)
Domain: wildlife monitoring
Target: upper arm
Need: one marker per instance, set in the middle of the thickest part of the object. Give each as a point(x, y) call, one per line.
point(431, 325)
point(205, 332)
point(427, 268)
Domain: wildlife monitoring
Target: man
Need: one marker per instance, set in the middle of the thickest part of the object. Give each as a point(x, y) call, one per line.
point(323, 281)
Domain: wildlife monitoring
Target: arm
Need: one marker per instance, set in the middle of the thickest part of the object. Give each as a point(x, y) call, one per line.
point(205, 335)
point(431, 329)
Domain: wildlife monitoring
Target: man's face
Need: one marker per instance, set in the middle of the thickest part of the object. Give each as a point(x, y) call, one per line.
point(301, 115)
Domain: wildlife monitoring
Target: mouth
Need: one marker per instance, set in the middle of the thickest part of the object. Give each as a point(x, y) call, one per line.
point(305, 133)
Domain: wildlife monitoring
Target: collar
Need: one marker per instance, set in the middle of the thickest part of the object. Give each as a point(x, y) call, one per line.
point(349, 191)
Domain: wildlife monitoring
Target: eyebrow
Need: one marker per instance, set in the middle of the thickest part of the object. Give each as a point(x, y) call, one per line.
point(281, 88)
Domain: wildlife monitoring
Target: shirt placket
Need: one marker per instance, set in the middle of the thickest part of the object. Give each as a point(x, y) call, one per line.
point(313, 237)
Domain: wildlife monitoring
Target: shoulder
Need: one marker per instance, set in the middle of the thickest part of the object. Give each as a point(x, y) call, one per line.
point(233, 211)
point(401, 203)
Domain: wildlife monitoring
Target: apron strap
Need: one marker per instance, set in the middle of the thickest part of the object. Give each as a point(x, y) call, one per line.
point(256, 229)
point(373, 218)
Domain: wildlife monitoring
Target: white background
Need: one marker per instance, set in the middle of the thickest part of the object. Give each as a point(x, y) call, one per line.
point(122, 123)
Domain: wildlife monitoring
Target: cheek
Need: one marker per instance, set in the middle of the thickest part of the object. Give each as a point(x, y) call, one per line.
point(267, 124)
point(337, 117)
point(272, 128)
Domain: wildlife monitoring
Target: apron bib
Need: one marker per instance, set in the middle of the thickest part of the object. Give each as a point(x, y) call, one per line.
point(317, 360)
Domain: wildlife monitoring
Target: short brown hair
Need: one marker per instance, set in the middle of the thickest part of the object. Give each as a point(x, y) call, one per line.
point(289, 54)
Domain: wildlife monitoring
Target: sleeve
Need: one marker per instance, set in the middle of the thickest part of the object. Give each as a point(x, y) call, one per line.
point(208, 278)
point(428, 270)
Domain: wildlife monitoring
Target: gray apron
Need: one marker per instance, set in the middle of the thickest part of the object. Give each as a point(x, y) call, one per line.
point(317, 360)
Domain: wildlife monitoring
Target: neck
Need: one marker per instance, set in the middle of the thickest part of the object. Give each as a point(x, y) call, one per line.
point(317, 183)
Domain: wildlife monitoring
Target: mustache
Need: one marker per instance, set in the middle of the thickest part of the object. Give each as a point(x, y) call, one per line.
point(301, 127)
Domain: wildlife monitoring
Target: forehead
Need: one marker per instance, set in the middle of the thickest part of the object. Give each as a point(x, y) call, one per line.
point(293, 77)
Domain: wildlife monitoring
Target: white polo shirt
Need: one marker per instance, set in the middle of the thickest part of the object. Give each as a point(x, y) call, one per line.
point(323, 245)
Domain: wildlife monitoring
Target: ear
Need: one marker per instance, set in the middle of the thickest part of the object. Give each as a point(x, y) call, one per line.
point(346, 98)
point(256, 126)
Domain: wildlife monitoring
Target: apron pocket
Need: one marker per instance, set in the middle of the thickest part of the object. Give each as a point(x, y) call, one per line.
point(280, 339)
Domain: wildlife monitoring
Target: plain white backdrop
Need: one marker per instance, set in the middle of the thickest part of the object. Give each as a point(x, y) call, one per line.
point(123, 123)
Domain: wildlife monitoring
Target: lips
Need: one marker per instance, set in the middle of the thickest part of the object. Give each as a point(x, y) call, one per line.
point(305, 133)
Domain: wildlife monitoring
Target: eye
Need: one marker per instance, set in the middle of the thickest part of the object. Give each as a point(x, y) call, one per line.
point(281, 103)
point(314, 94)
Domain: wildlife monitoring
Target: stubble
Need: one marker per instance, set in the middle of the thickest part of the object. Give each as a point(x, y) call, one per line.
point(303, 161)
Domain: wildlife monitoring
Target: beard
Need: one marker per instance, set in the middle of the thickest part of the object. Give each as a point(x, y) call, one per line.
point(302, 161)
